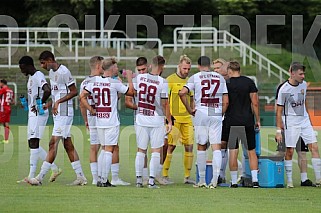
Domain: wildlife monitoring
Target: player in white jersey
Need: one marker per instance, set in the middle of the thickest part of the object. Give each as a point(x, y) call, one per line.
point(63, 89)
point(130, 102)
point(37, 88)
point(104, 91)
point(211, 101)
point(292, 117)
point(110, 68)
point(152, 106)
point(95, 65)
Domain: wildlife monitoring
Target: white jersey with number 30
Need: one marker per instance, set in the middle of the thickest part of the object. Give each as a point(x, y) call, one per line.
point(104, 92)
point(150, 90)
point(208, 88)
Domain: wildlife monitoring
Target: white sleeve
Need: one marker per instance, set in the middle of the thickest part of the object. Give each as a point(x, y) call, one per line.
point(88, 87)
point(41, 80)
point(281, 97)
point(164, 89)
point(223, 85)
point(190, 83)
point(120, 87)
point(68, 79)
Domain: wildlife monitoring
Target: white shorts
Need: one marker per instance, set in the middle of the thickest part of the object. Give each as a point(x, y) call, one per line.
point(62, 126)
point(108, 136)
point(207, 128)
point(155, 135)
point(292, 134)
point(93, 134)
point(36, 126)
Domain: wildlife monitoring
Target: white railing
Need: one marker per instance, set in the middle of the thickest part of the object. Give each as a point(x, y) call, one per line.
point(218, 38)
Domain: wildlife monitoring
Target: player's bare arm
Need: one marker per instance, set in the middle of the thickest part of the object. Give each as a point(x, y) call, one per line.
point(84, 102)
point(255, 107)
point(183, 96)
point(166, 110)
point(225, 103)
point(73, 92)
point(83, 112)
point(129, 103)
point(279, 123)
point(131, 91)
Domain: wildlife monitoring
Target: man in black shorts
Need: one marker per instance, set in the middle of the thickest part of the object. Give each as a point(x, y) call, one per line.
point(239, 121)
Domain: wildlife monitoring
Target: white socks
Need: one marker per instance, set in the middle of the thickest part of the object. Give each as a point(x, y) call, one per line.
point(94, 170)
point(106, 165)
point(216, 164)
point(43, 155)
point(316, 164)
point(33, 162)
point(44, 170)
point(201, 165)
point(304, 176)
point(77, 168)
point(100, 164)
point(233, 177)
point(115, 171)
point(288, 170)
point(254, 176)
point(139, 163)
point(154, 164)
point(145, 173)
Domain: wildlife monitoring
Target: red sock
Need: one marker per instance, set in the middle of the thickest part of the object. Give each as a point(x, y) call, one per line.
point(6, 133)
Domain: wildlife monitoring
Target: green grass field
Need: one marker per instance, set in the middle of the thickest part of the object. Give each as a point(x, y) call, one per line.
point(58, 197)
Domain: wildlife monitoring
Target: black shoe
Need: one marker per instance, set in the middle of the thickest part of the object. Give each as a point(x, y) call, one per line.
point(108, 184)
point(256, 185)
point(307, 182)
point(220, 180)
point(234, 186)
point(99, 184)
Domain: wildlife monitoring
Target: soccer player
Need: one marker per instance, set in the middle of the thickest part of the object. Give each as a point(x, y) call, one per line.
point(63, 89)
point(239, 123)
point(183, 127)
point(211, 101)
point(110, 68)
point(37, 87)
point(96, 69)
point(104, 91)
point(292, 117)
point(6, 99)
point(152, 105)
point(130, 102)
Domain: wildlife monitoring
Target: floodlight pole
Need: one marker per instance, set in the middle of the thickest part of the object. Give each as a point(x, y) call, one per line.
point(101, 22)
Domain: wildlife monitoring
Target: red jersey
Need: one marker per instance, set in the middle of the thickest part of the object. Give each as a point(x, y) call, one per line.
point(6, 97)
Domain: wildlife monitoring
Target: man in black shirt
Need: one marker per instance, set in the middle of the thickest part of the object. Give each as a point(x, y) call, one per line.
point(239, 121)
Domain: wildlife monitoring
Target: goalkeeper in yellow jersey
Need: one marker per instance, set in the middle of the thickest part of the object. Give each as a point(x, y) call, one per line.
point(183, 127)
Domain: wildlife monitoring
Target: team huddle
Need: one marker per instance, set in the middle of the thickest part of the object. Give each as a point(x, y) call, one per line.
point(216, 108)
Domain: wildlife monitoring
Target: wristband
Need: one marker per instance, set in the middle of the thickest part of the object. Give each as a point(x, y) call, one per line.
point(278, 131)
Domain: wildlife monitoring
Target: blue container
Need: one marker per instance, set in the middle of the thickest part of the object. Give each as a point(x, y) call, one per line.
point(271, 171)
point(24, 102)
point(208, 173)
point(39, 106)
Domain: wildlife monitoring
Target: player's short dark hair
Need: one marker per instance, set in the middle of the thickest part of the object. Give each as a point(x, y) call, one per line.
point(46, 55)
point(234, 66)
point(26, 60)
point(204, 61)
point(295, 66)
point(158, 60)
point(141, 61)
point(4, 81)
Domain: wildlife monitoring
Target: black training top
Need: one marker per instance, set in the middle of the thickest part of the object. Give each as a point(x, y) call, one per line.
point(239, 111)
